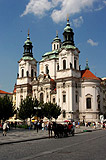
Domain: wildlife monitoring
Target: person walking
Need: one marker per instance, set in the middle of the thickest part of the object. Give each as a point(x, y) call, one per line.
point(5, 127)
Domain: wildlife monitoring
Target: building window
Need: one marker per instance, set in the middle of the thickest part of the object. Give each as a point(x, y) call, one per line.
point(35, 74)
point(41, 97)
point(57, 67)
point(54, 46)
point(88, 103)
point(64, 98)
point(64, 114)
point(75, 64)
point(63, 85)
point(27, 73)
point(32, 72)
point(53, 100)
point(22, 72)
point(76, 85)
point(57, 46)
point(47, 70)
point(64, 64)
point(70, 65)
point(69, 37)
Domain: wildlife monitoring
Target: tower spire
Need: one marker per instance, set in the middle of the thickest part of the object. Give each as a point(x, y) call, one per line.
point(56, 33)
point(67, 17)
point(87, 67)
point(28, 32)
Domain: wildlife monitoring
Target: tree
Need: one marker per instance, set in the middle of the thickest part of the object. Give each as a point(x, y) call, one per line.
point(51, 110)
point(26, 108)
point(6, 108)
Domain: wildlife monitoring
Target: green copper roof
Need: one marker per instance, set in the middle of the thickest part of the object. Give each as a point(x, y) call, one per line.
point(28, 42)
point(27, 58)
point(57, 39)
point(69, 47)
point(50, 55)
point(51, 52)
point(68, 28)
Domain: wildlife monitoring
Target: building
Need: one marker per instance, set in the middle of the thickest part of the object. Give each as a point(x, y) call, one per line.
point(77, 92)
point(3, 93)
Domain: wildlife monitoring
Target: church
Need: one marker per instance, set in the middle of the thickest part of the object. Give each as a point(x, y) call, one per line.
point(78, 92)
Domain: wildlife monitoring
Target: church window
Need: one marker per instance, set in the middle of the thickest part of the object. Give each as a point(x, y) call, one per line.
point(35, 74)
point(47, 70)
point(27, 73)
point(98, 101)
point(22, 72)
point(57, 67)
point(88, 103)
point(53, 100)
point(65, 38)
point(70, 65)
point(64, 98)
point(31, 72)
point(57, 46)
point(64, 114)
point(21, 90)
point(69, 38)
point(60, 45)
point(64, 64)
point(41, 97)
point(54, 46)
point(76, 85)
point(75, 64)
point(21, 98)
point(63, 85)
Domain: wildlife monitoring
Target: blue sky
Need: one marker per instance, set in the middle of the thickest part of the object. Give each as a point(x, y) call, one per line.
point(43, 18)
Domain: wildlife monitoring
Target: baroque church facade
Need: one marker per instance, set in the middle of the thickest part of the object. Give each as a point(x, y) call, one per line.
point(78, 92)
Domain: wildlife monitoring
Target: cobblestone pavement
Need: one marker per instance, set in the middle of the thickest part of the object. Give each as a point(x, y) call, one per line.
point(21, 135)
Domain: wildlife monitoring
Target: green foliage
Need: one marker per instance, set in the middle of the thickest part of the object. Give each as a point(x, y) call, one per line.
point(26, 108)
point(6, 108)
point(51, 110)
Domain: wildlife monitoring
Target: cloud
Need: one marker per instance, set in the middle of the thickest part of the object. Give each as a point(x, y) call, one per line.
point(92, 43)
point(104, 2)
point(58, 9)
point(78, 21)
point(37, 7)
point(101, 6)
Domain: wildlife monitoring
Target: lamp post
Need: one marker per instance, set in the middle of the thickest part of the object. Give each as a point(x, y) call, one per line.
point(37, 108)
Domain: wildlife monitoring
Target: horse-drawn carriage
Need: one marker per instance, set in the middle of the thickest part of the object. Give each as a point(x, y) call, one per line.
point(63, 130)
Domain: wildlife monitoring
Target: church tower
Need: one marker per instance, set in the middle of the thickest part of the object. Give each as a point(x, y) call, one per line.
point(27, 72)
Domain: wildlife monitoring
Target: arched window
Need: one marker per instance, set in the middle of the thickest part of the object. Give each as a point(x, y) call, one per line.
point(32, 73)
point(57, 46)
point(64, 114)
point(88, 103)
point(27, 73)
point(41, 97)
point(57, 67)
point(35, 74)
point(53, 100)
point(64, 98)
point(64, 64)
point(69, 37)
point(54, 47)
point(47, 70)
point(70, 65)
point(22, 72)
point(75, 64)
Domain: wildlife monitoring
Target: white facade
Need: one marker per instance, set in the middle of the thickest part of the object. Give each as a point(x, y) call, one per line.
point(60, 80)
